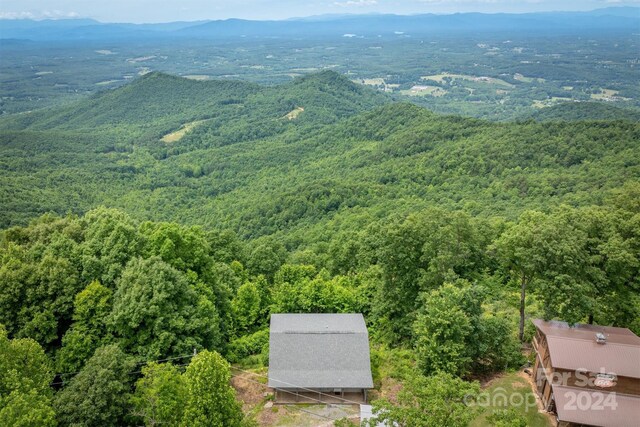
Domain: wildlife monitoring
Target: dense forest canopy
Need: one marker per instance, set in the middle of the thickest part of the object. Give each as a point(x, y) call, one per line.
point(248, 167)
point(135, 266)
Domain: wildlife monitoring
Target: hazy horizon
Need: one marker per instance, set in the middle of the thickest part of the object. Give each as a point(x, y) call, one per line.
point(147, 11)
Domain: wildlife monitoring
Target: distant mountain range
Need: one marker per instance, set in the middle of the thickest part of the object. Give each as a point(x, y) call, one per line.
point(613, 19)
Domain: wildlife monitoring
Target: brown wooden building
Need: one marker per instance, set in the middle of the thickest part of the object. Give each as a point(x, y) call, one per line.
point(588, 375)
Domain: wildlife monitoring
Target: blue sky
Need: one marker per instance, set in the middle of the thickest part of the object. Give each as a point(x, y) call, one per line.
point(190, 10)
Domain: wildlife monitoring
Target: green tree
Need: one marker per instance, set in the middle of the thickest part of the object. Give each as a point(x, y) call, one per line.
point(15, 277)
point(256, 343)
point(78, 345)
point(184, 248)
point(497, 345)
point(442, 330)
point(157, 313)
point(99, 394)
point(111, 239)
point(25, 375)
point(610, 245)
point(27, 409)
point(347, 253)
point(437, 400)
point(314, 296)
point(221, 283)
point(246, 307)
point(627, 197)
point(419, 254)
point(211, 400)
point(453, 335)
point(39, 278)
point(91, 308)
point(23, 362)
point(547, 248)
point(266, 258)
point(48, 293)
point(294, 274)
point(160, 396)
point(226, 246)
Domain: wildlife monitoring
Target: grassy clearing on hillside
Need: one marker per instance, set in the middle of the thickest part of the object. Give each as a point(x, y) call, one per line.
point(420, 90)
point(107, 82)
point(292, 115)
point(141, 59)
point(439, 78)
point(506, 392)
point(198, 77)
point(377, 81)
point(525, 79)
point(604, 93)
point(549, 102)
point(608, 95)
point(180, 133)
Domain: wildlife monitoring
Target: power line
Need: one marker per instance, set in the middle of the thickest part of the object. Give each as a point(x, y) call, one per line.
point(243, 378)
point(133, 372)
point(235, 376)
point(299, 387)
point(288, 392)
point(128, 373)
point(138, 363)
point(306, 397)
point(317, 415)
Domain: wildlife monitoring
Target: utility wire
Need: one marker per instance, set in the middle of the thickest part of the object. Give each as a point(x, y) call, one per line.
point(235, 376)
point(317, 415)
point(128, 373)
point(240, 377)
point(299, 387)
point(306, 397)
point(138, 363)
point(133, 372)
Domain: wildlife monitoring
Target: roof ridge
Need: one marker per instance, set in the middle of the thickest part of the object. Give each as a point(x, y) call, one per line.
point(591, 340)
point(319, 332)
point(596, 390)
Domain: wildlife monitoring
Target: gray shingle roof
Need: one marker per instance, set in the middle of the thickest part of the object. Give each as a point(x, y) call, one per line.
point(319, 351)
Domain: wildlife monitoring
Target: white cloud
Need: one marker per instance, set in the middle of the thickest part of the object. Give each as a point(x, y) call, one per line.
point(16, 15)
point(356, 3)
point(43, 14)
point(459, 1)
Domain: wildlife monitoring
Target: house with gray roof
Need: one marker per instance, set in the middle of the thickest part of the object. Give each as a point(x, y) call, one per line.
point(319, 358)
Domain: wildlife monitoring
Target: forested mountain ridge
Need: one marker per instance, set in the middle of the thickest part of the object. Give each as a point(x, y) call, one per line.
point(576, 111)
point(158, 99)
point(248, 166)
point(147, 99)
